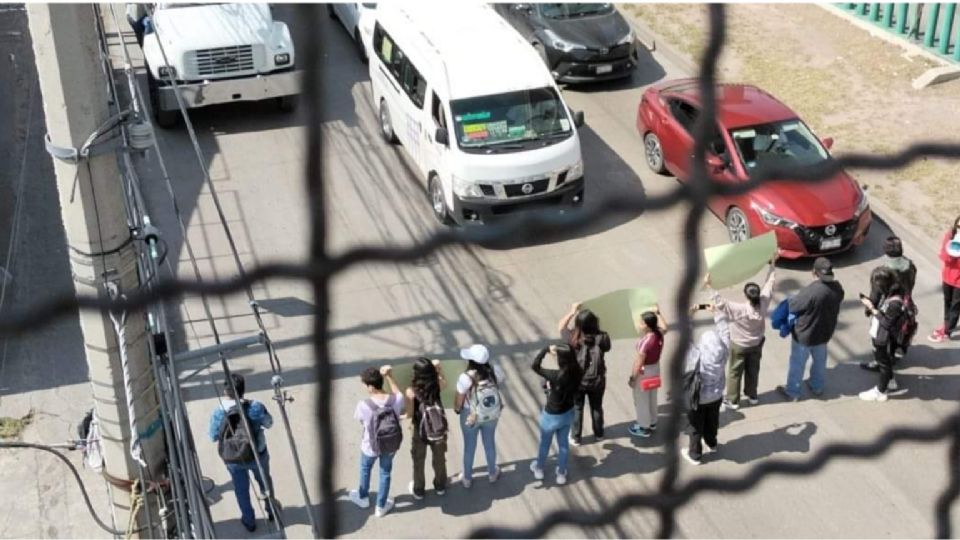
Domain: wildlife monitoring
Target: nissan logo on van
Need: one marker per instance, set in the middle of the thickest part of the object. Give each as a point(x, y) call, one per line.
point(527, 189)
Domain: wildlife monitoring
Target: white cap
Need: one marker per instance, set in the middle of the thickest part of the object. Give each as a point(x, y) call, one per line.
point(477, 353)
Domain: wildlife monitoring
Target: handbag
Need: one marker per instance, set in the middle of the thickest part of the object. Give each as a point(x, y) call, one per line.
point(650, 383)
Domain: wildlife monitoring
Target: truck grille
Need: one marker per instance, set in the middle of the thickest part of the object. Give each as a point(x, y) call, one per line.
point(223, 60)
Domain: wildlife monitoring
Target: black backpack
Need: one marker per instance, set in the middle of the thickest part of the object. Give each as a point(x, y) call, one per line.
point(905, 327)
point(385, 431)
point(433, 421)
point(233, 444)
point(691, 387)
point(590, 358)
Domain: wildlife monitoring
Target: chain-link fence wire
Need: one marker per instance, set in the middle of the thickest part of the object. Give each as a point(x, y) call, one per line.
point(322, 267)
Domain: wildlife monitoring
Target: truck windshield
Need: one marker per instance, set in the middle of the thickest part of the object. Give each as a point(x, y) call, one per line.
point(787, 143)
point(514, 117)
point(573, 11)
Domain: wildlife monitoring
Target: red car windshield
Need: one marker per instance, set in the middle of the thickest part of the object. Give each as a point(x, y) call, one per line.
point(788, 143)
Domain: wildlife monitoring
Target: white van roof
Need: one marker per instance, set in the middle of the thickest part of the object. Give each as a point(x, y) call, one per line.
point(481, 52)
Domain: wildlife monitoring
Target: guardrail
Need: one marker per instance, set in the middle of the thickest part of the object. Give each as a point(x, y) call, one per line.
point(935, 26)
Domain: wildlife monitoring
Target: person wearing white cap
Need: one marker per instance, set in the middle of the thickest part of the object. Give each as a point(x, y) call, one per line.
point(950, 255)
point(479, 404)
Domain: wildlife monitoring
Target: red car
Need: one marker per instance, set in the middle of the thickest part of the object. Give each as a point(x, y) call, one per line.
point(753, 127)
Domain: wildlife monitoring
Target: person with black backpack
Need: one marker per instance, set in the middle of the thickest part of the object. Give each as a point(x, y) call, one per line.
point(886, 329)
point(430, 428)
point(589, 344)
point(704, 380)
point(236, 448)
point(379, 414)
point(479, 404)
point(557, 415)
point(905, 273)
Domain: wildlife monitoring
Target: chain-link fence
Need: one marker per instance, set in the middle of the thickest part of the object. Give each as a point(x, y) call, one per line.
point(671, 494)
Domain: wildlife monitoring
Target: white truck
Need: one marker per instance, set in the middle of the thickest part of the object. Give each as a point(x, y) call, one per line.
point(217, 53)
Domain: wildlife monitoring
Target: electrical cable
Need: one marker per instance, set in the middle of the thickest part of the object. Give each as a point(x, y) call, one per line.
point(76, 476)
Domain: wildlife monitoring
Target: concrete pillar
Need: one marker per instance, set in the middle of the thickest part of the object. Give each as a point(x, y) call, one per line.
point(92, 205)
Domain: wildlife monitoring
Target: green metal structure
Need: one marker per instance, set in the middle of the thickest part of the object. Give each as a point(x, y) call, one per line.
point(935, 26)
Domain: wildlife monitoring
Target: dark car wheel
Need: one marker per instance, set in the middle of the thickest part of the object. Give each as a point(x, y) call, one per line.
point(654, 153)
point(738, 226)
point(386, 127)
point(437, 203)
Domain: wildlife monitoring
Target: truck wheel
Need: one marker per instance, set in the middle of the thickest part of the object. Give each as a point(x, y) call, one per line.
point(288, 103)
point(164, 119)
point(386, 127)
point(437, 202)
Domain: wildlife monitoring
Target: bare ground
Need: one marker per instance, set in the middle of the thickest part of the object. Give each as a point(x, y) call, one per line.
point(845, 83)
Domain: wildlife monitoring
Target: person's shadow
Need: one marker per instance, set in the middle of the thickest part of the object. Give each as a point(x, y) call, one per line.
point(792, 438)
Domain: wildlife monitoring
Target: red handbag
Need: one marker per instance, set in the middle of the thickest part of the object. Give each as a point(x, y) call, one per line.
point(650, 383)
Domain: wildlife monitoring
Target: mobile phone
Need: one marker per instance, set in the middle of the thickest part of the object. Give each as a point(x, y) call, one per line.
point(702, 307)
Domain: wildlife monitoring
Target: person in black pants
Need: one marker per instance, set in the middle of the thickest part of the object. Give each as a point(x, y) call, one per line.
point(884, 329)
point(709, 356)
point(950, 256)
point(589, 345)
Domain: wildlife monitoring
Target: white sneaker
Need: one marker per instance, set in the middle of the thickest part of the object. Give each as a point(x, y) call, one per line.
point(753, 401)
point(495, 476)
point(892, 386)
point(537, 471)
point(686, 455)
point(385, 509)
point(412, 492)
point(573, 442)
point(465, 482)
point(711, 449)
point(873, 394)
point(728, 406)
point(361, 502)
point(561, 478)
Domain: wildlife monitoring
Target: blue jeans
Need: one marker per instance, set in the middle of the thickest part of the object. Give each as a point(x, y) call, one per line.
point(366, 466)
point(798, 362)
point(470, 435)
point(559, 425)
point(240, 474)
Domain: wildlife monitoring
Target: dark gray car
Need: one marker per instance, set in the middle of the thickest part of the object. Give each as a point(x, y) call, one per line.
point(578, 42)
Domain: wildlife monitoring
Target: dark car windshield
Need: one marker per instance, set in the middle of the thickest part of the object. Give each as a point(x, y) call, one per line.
point(786, 143)
point(514, 117)
point(572, 11)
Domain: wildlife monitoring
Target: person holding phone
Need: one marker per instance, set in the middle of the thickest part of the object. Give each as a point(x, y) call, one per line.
point(884, 323)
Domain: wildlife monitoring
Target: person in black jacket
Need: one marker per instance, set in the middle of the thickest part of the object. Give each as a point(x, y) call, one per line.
point(904, 272)
point(817, 307)
point(589, 345)
point(557, 415)
point(885, 318)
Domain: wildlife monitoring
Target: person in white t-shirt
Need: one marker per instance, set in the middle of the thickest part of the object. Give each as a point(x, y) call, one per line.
point(478, 369)
point(372, 379)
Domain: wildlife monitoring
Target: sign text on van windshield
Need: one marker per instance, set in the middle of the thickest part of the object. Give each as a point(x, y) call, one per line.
point(469, 117)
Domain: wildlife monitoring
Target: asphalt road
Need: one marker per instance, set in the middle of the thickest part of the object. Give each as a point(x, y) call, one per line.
point(510, 298)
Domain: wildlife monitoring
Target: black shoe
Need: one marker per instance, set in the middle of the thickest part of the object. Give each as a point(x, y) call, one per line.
point(251, 527)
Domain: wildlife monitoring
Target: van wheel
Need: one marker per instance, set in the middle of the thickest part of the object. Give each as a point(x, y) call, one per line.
point(288, 103)
point(164, 119)
point(386, 127)
point(738, 226)
point(437, 203)
point(653, 151)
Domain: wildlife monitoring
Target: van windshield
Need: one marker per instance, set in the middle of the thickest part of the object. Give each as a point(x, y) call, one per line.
point(514, 117)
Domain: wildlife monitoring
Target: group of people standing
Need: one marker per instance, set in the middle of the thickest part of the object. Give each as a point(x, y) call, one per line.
point(721, 371)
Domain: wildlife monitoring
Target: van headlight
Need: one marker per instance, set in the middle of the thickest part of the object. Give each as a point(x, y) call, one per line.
point(862, 205)
point(772, 219)
point(576, 171)
point(281, 59)
point(465, 188)
point(167, 72)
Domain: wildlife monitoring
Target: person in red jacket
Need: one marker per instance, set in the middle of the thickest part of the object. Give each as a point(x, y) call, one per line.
point(950, 255)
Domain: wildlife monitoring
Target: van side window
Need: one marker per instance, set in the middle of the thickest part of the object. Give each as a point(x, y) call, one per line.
point(383, 45)
point(413, 84)
point(436, 111)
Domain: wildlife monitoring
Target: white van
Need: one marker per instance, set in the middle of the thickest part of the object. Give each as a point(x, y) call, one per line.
point(476, 109)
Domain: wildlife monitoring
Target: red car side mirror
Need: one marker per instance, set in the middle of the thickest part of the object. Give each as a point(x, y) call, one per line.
point(827, 143)
point(715, 163)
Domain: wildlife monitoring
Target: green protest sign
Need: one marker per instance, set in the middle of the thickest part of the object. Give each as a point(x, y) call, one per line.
point(619, 310)
point(731, 264)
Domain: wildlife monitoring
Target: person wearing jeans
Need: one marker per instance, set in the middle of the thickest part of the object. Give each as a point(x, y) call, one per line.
point(373, 379)
point(557, 415)
point(479, 369)
point(950, 256)
point(817, 308)
point(580, 328)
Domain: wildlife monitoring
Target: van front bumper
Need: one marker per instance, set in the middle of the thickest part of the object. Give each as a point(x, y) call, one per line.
point(215, 92)
point(480, 211)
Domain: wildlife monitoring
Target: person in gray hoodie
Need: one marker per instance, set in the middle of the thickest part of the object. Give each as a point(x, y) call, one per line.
point(711, 352)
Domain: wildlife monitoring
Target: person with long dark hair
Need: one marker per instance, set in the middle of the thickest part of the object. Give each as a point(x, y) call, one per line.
point(425, 409)
point(478, 403)
point(580, 328)
point(884, 329)
point(557, 415)
point(950, 256)
point(747, 326)
point(645, 374)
